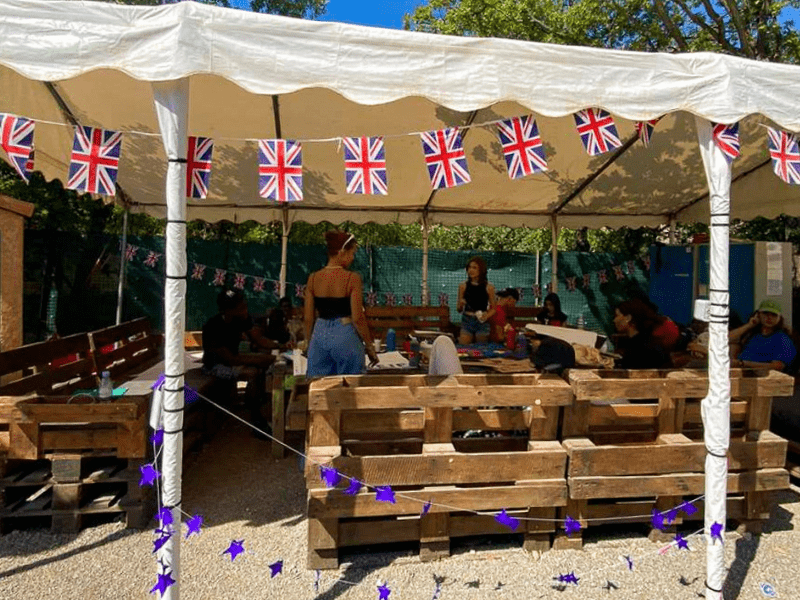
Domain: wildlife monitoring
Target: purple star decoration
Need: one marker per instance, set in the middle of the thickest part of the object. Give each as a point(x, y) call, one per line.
point(316, 581)
point(384, 493)
point(159, 382)
point(672, 515)
point(275, 568)
point(330, 476)
point(629, 561)
point(149, 475)
point(354, 488)
point(571, 525)
point(426, 508)
point(658, 520)
point(716, 531)
point(569, 578)
point(157, 437)
point(235, 549)
point(688, 508)
point(164, 581)
point(504, 519)
point(189, 395)
point(193, 525)
point(164, 534)
point(681, 542)
point(383, 592)
point(165, 516)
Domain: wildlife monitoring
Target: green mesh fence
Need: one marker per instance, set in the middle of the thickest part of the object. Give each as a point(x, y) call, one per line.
point(88, 271)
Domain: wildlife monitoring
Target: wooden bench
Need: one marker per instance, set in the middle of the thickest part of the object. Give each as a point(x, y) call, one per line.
point(125, 349)
point(522, 315)
point(405, 319)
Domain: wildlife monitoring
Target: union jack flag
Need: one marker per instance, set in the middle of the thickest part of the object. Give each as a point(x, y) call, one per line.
point(444, 155)
point(95, 160)
point(727, 138)
point(17, 141)
point(372, 298)
point(365, 165)
point(631, 267)
point(152, 259)
point(29, 164)
point(258, 284)
point(198, 271)
point(644, 129)
point(783, 149)
point(618, 272)
point(276, 288)
point(522, 146)
point(198, 166)
point(390, 298)
point(571, 284)
point(597, 130)
point(238, 281)
point(219, 276)
point(587, 280)
point(444, 299)
point(602, 277)
point(408, 299)
point(537, 290)
point(280, 170)
point(130, 252)
point(646, 262)
point(300, 290)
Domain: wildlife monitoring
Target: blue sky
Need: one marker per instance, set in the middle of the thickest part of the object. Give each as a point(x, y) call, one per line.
point(379, 13)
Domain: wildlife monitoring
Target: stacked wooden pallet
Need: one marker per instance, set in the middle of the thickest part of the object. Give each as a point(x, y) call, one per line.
point(401, 431)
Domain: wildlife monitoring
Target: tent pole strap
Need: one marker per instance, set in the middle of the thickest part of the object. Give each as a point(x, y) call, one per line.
point(287, 227)
point(122, 265)
point(715, 407)
point(554, 254)
point(425, 231)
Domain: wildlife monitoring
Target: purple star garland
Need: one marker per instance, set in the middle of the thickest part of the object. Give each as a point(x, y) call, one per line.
point(505, 519)
point(681, 542)
point(658, 520)
point(629, 562)
point(164, 581)
point(330, 476)
point(159, 382)
point(235, 549)
point(569, 578)
point(165, 516)
point(157, 437)
point(688, 508)
point(383, 592)
point(672, 515)
point(716, 531)
point(149, 475)
point(426, 508)
point(384, 493)
point(275, 568)
point(193, 526)
point(571, 525)
point(159, 542)
point(354, 488)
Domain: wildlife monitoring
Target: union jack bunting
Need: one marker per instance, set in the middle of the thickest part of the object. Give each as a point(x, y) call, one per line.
point(152, 259)
point(646, 262)
point(631, 267)
point(602, 277)
point(444, 299)
point(597, 130)
point(95, 160)
point(198, 166)
point(587, 280)
point(16, 137)
point(618, 272)
point(365, 165)
point(130, 252)
point(238, 280)
point(444, 155)
point(727, 138)
point(372, 298)
point(571, 284)
point(258, 284)
point(390, 299)
point(522, 146)
point(644, 129)
point(219, 276)
point(276, 288)
point(537, 290)
point(408, 299)
point(198, 271)
point(280, 170)
point(783, 149)
point(299, 290)
point(29, 164)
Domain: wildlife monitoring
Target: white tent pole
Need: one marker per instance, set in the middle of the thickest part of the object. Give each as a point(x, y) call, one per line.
point(715, 407)
point(554, 254)
point(425, 232)
point(171, 103)
point(122, 265)
point(672, 232)
point(287, 227)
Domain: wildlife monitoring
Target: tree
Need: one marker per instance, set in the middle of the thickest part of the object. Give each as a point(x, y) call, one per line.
point(759, 30)
point(302, 9)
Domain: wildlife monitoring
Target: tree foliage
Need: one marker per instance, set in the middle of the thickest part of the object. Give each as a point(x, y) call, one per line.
point(302, 9)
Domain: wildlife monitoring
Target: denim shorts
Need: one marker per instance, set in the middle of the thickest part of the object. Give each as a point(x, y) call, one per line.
point(473, 326)
point(335, 349)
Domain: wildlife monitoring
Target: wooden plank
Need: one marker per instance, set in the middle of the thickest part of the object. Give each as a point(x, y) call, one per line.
point(362, 533)
point(759, 413)
point(24, 440)
point(675, 484)
point(438, 425)
point(434, 536)
point(120, 333)
point(43, 353)
point(95, 439)
point(323, 542)
point(332, 503)
point(45, 410)
point(36, 383)
point(323, 428)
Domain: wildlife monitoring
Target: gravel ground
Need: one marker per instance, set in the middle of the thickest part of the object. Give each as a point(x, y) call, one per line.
point(244, 494)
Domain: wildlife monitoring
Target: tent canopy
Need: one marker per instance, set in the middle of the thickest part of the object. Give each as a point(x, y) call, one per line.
point(257, 76)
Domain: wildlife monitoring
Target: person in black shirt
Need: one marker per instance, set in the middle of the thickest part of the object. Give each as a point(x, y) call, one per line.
point(277, 327)
point(476, 303)
point(222, 335)
point(640, 350)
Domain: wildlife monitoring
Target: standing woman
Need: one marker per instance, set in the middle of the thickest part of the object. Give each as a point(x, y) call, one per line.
point(476, 303)
point(335, 324)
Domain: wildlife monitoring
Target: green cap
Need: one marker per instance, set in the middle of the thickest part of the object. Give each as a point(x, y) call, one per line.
point(770, 306)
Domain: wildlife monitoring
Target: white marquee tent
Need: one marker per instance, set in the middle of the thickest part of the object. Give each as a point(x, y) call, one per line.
point(162, 73)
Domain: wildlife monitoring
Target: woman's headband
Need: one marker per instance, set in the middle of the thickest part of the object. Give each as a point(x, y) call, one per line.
point(350, 239)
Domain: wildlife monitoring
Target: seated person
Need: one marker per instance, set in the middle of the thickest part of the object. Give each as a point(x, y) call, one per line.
point(552, 313)
point(277, 326)
point(500, 321)
point(635, 321)
point(222, 334)
point(764, 340)
point(665, 331)
point(550, 354)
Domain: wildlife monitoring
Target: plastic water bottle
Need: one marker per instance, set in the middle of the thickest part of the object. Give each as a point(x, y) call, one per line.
point(390, 340)
point(105, 390)
point(581, 323)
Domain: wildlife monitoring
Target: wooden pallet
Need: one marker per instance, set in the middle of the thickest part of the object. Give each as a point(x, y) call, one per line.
point(401, 431)
point(68, 491)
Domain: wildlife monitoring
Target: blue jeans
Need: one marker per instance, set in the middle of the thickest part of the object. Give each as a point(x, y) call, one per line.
point(335, 349)
point(473, 326)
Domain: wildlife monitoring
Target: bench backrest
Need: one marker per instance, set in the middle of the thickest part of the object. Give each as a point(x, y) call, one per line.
point(405, 319)
point(56, 366)
point(523, 315)
point(126, 348)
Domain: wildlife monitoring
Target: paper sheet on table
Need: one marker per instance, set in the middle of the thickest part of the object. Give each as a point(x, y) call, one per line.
point(390, 360)
point(573, 336)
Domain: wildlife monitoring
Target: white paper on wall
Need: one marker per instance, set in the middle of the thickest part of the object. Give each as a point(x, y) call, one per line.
point(774, 269)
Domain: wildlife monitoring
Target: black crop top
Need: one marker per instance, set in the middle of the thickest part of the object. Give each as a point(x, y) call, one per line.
point(332, 308)
point(476, 297)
